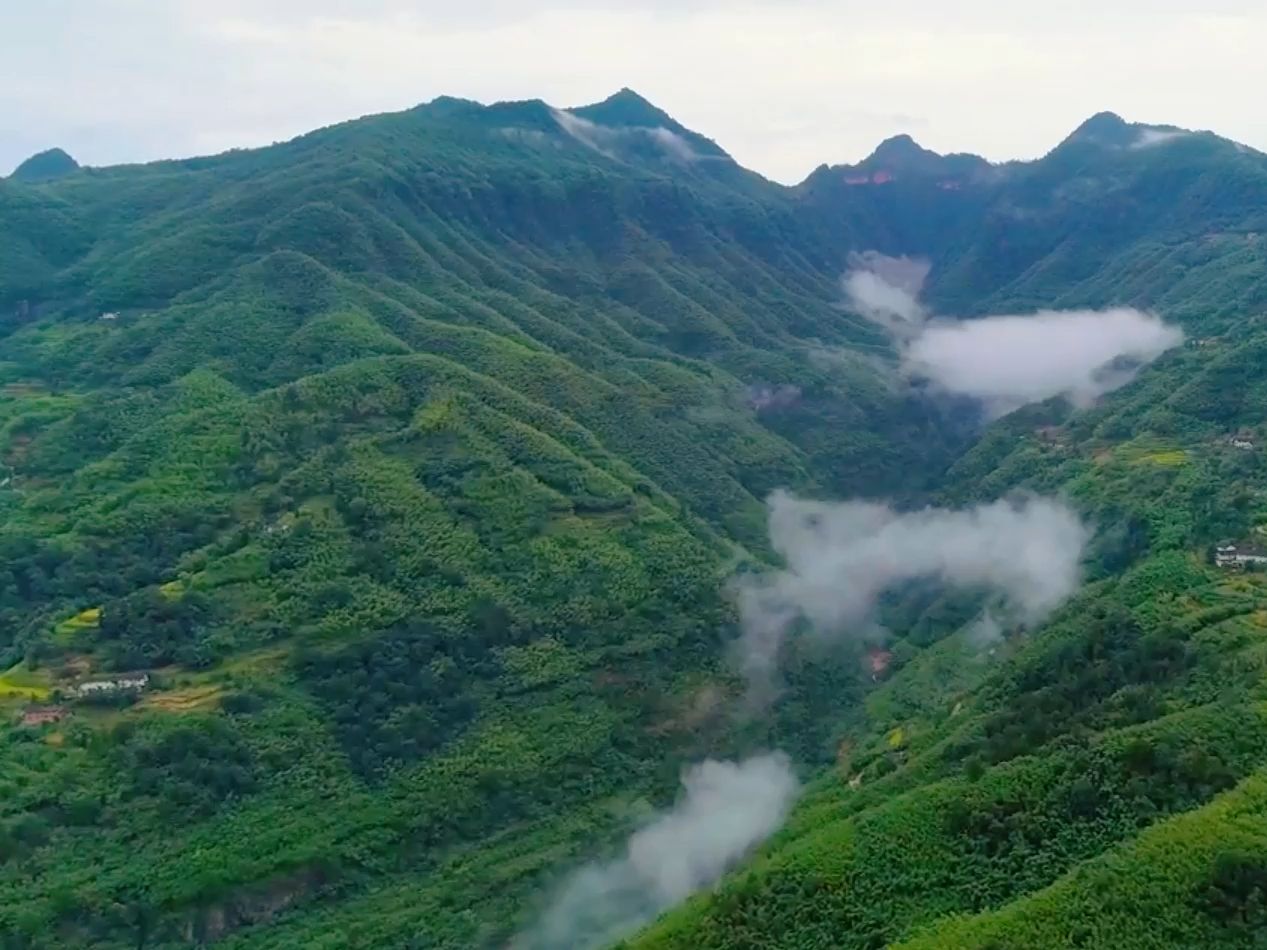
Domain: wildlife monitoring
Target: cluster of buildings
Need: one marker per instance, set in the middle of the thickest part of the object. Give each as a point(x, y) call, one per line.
point(124, 682)
point(41, 715)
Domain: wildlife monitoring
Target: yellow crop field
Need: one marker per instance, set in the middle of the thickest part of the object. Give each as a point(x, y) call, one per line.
point(20, 683)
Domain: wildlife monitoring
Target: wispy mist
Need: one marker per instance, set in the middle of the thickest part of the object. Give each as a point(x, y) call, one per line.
point(841, 556)
point(607, 140)
point(765, 396)
point(725, 810)
point(985, 631)
point(1150, 137)
point(885, 290)
point(1007, 361)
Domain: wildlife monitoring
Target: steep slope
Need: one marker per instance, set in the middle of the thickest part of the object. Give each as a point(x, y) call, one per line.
point(1024, 800)
point(1117, 716)
point(1124, 216)
point(1117, 213)
point(408, 459)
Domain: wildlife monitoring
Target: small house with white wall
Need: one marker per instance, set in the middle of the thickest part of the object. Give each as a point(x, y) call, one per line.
point(1239, 554)
point(124, 682)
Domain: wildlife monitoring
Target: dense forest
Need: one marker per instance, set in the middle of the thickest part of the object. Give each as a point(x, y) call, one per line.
point(370, 504)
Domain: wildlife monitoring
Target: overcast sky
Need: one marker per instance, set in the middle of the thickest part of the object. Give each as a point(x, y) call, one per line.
point(783, 86)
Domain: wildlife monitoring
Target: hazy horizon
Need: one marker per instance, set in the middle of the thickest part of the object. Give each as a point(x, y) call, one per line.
point(114, 81)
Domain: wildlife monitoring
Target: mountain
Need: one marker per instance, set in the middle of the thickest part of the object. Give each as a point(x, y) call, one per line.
point(408, 461)
point(52, 163)
point(408, 458)
point(901, 157)
point(1102, 783)
point(628, 110)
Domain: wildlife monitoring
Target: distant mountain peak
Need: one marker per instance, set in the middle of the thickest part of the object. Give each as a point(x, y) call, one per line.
point(1105, 128)
point(45, 165)
point(1103, 122)
point(900, 156)
point(625, 94)
point(626, 109)
point(1108, 130)
point(453, 104)
point(901, 152)
point(897, 146)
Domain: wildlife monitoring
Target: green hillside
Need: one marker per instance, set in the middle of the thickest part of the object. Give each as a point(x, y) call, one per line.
point(1097, 783)
point(410, 459)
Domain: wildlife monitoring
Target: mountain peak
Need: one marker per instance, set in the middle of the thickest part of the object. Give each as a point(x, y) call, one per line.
point(902, 151)
point(1103, 121)
point(901, 144)
point(902, 155)
point(1104, 128)
point(449, 104)
point(625, 108)
point(45, 165)
point(625, 94)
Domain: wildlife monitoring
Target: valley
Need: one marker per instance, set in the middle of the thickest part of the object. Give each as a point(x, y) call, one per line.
point(395, 480)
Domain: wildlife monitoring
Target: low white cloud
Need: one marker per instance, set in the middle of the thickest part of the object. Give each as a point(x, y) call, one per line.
point(1005, 361)
point(839, 557)
point(885, 290)
point(1010, 361)
point(726, 809)
point(985, 632)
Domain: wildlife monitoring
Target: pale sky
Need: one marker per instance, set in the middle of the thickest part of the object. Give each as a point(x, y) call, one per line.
point(782, 86)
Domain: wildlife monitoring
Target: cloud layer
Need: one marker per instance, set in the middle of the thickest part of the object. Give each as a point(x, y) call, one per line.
point(841, 556)
point(1005, 361)
point(726, 809)
point(1009, 361)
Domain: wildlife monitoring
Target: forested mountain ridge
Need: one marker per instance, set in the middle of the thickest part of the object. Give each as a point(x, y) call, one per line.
point(1099, 784)
point(410, 457)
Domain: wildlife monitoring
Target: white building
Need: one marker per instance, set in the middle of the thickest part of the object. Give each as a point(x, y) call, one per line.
point(136, 681)
point(1238, 555)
